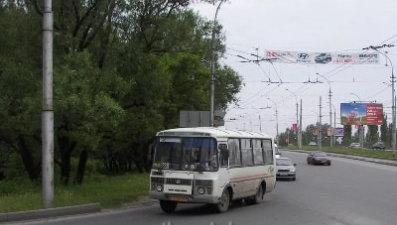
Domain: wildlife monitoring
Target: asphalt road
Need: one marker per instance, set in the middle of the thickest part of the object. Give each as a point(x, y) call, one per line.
point(347, 193)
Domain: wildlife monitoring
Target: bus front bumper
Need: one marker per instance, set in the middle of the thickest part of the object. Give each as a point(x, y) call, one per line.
point(184, 198)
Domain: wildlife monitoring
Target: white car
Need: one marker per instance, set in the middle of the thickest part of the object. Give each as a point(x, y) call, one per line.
point(312, 143)
point(355, 145)
point(285, 168)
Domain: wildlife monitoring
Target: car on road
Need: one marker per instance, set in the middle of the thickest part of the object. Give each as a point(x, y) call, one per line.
point(318, 158)
point(286, 169)
point(379, 146)
point(312, 143)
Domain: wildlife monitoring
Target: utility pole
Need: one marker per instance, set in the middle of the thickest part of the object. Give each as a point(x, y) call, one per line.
point(277, 141)
point(297, 116)
point(47, 113)
point(300, 128)
point(333, 140)
point(212, 100)
point(375, 48)
point(319, 129)
point(330, 109)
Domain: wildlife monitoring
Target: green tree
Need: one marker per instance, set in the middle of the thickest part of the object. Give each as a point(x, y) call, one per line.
point(372, 134)
point(383, 130)
point(20, 86)
point(347, 135)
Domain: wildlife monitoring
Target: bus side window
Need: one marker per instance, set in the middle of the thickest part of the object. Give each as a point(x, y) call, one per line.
point(224, 154)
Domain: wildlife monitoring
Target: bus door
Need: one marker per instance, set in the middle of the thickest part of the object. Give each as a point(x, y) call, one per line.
point(223, 165)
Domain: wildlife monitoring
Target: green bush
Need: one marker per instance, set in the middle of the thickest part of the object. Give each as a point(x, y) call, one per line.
point(14, 169)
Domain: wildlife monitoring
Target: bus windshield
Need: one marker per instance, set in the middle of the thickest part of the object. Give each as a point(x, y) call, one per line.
point(186, 153)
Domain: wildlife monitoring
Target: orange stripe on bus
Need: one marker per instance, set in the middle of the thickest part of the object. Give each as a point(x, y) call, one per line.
point(248, 177)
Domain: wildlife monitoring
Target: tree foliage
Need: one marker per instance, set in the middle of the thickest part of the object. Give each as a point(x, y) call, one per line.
point(122, 71)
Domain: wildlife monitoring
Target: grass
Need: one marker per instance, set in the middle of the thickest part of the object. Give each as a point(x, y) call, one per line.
point(109, 191)
point(351, 151)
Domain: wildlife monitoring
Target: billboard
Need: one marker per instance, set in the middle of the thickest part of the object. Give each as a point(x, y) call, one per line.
point(339, 132)
point(322, 57)
point(361, 113)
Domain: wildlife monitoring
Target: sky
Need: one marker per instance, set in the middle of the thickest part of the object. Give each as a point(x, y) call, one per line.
point(335, 26)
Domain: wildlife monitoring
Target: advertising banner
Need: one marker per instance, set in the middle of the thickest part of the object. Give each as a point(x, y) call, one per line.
point(294, 127)
point(339, 132)
point(361, 113)
point(315, 132)
point(322, 57)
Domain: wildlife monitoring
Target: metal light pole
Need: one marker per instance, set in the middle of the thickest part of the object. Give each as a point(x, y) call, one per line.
point(297, 113)
point(47, 113)
point(320, 130)
point(276, 120)
point(333, 141)
point(361, 130)
point(393, 97)
point(212, 107)
point(318, 127)
point(300, 127)
point(259, 115)
point(330, 109)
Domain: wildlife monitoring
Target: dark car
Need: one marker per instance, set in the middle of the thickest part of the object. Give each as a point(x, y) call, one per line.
point(318, 158)
point(323, 58)
point(379, 146)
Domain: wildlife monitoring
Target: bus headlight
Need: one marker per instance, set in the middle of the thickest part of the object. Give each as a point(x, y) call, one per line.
point(159, 188)
point(201, 190)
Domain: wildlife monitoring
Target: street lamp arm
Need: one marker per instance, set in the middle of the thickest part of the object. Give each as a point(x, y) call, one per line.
point(356, 96)
point(387, 57)
point(296, 98)
point(329, 84)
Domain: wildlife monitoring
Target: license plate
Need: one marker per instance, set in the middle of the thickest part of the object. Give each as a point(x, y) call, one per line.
point(283, 174)
point(178, 198)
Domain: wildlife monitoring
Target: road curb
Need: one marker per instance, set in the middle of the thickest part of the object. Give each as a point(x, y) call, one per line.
point(359, 158)
point(49, 213)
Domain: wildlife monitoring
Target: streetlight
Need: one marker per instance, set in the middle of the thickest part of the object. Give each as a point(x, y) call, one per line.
point(361, 128)
point(319, 142)
point(259, 114)
point(297, 115)
point(330, 109)
point(392, 91)
point(276, 120)
point(359, 99)
point(333, 133)
point(212, 106)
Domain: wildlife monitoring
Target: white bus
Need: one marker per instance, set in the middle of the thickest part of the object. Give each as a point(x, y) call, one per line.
point(211, 165)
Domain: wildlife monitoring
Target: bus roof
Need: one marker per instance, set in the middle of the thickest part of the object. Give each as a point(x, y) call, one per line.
point(212, 131)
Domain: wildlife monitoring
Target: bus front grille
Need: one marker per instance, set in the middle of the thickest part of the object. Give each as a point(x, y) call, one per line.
point(177, 181)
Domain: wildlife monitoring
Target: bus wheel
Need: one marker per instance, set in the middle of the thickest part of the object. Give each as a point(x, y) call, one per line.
point(168, 206)
point(224, 202)
point(260, 195)
point(258, 198)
